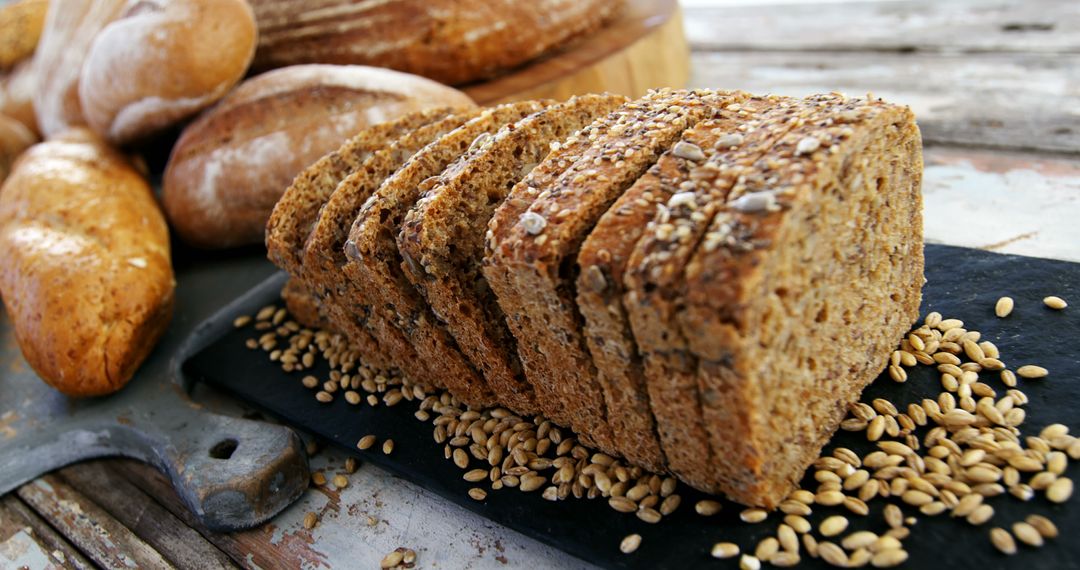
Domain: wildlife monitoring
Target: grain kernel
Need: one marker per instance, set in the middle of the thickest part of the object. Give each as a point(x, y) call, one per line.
point(889, 558)
point(630, 543)
point(753, 516)
point(707, 508)
point(724, 550)
point(833, 526)
point(366, 442)
point(1056, 303)
point(1003, 541)
point(310, 520)
point(341, 481)
point(1044, 525)
point(1027, 534)
point(1031, 371)
point(1060, 491)
point(1003, 307)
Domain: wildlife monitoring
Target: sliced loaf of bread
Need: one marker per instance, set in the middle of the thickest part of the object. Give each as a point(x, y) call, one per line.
point(805, 280)
point(323, 257)
point(532, 268)
point(441, 240)
point(374, 262)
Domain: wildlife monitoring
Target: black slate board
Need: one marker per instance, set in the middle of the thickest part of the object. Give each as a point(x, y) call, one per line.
point(961, 283)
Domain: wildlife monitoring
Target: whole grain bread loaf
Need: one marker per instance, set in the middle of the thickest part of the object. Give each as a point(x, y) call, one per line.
point(346, 305)
point(450, 41)
point(442, 238)
point(375, 263)
point(805, 281)
point(531, 268)
point(700, 282)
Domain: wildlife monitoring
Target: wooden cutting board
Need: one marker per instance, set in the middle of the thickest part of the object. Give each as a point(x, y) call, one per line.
point(643, 48)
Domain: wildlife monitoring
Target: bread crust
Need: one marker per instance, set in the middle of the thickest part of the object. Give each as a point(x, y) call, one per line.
point(450, 41)
point(532, 266)
point(230, 166)
point(374, 263)
point(189, 54)
point(441, 239)
point(345, 304)
point(86, 278)
point(307, 309)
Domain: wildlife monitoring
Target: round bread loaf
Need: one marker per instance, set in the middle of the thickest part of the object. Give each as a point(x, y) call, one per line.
point(452, 41)
point(161, 62)
point(70, 29)
point(232, 164)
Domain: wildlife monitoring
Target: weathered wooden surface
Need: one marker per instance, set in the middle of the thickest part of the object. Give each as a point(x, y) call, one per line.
point(1016, 87)
point(1009, 101)
point(1047, 26)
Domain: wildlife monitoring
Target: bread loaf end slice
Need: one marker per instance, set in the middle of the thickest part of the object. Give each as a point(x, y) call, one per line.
point(304, 306)
point(374, 262)
point(534, 264)
point(805, 281)
point(441, 240)
point(323, 257)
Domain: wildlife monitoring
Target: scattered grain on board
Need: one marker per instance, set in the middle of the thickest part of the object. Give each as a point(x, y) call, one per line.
point(1054, 302)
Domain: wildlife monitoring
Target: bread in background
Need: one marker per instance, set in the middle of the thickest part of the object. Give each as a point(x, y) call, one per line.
point(20, 28)
point(87, 278)
point(160, 63)
point(14, 139)
point(451, 41)
point(234, 162)
point(70, 29)
point(17, 95)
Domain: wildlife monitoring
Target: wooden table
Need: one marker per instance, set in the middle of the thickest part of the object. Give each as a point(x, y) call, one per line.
point(996, 85)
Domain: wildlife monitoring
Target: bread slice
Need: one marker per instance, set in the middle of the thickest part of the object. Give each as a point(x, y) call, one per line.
point(441, 240)
point(374, 263)
point(692, 179)
point(296, 212)
point(804, 282)
point(602, 261)
point(531, 269)
point(304, 306)
point(323, 257)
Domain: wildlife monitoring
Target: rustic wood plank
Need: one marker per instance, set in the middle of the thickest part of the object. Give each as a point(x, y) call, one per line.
point(1046, 26)
point(15, 515)
point(100, 537)
point(1009, 202)
point(261, 547)
point(1008, 101)
point(171, 537)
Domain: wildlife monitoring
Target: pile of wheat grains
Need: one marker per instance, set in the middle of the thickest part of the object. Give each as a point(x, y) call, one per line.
point(941, 456)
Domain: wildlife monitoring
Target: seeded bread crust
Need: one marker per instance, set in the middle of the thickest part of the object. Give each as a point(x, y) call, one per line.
point(374, 263)
point(536, 284)
point(295, 214)
point(603, 262)
point(304, 306)
point(696, 190)
point(323, 257)
point(780, 281)
point(441, 240)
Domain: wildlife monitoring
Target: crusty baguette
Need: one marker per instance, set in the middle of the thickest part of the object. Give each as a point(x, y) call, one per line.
point(296, 213)
point(697, 181)
point(375, 263)
point(86, 276)
point(441, 240)
point(158, 64)
point(450, 41)
point(345, 304)
point(531, 268)
point(70, 29)
point(232, 164)
point(804, 282)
